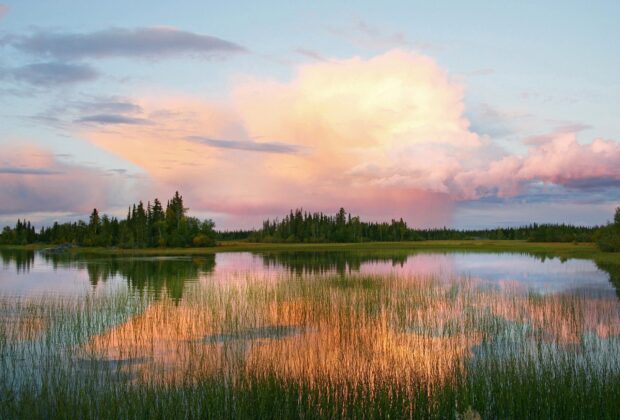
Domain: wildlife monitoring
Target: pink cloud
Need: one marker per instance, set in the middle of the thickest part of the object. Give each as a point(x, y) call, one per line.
point(33, 180)
point(384, 137)
point(562, 160)
point(343, 116)
point(556, 158)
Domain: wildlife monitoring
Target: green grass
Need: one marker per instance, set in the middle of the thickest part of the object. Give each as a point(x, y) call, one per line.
point(558, 249)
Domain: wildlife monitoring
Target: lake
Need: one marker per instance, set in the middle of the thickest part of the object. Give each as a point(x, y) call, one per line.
point(304, 334)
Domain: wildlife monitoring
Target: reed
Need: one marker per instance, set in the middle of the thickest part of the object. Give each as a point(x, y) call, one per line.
point(313, 346)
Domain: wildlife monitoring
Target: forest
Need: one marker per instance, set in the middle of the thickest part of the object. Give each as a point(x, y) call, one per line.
point(144, 227)
point(154, 226)
point(300, 226)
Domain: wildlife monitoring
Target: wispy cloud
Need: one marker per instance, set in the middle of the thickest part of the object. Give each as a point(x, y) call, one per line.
point(366, 35)
point(250, 146)
point(91, 110)
point(110, 119)
point(122, 42)
point(310, 54)
point(28, 171)
point(108, 105)
point(3, 10)
point(597, 183)
point(53, 73)
point(498, 123)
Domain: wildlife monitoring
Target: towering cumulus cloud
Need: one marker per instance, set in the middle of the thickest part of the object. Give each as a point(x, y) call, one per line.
point(384, 136)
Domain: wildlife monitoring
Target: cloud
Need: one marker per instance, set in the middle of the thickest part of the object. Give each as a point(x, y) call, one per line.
point(310, 54)
point(596, 183)
point(113, 105)
point(91, 110)
point(368, 36)
point(3, 10)
point(397, 98)
point(384, 137)
point(342, 114)
point(250, 146)
point(120, 42)
point(33, 180)
point(563, 160)
point(54, 73)
point(499, 123)
point(106, 119)
point(562, 128)
point(556, 159)
point(27, 171)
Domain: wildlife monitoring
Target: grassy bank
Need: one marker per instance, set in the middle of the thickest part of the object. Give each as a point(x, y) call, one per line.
point(551, 249)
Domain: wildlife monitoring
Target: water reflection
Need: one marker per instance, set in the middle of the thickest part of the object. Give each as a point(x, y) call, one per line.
point(341, 262)
point(540, 272)
point(330, 321)
point(26, 273)
point(22, 261)
point(152, 275)
point(614, 273)
point(375, 330)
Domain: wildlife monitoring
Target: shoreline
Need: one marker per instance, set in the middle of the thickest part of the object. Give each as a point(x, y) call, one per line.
point(550, 249)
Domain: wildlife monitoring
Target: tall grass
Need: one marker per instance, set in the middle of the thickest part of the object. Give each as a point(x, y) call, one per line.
point(314, 346)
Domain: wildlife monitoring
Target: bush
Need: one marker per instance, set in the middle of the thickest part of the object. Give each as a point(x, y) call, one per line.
point(203, 240)
point(608, 238)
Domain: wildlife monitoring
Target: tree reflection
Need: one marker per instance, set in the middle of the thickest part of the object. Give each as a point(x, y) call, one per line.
point(23, 260)
point(340, 262)
point(152, 275)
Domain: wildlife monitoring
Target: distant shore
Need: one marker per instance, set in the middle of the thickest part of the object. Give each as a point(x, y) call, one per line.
point(550, 249)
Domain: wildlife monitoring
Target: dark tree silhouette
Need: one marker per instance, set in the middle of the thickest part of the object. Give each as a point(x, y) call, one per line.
point(143, 227)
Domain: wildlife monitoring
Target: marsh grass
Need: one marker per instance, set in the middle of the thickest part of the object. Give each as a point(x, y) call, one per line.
point(314, 346)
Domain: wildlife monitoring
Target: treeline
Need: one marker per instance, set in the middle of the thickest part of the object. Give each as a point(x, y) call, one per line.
point(233, 235)
point(300, 226)
point(533, 233)
point(155, 226)
point(144, 227)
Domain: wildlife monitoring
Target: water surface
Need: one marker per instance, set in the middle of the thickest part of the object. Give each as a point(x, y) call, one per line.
point(24, 274)
point(369, 322)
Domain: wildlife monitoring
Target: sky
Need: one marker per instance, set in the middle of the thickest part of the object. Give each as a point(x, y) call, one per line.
point(471, 114)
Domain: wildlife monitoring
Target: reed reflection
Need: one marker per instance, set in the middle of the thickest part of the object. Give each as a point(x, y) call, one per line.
point(352, 331)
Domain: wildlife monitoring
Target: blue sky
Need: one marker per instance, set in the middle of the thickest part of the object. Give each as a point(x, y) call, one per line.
point(526, 70)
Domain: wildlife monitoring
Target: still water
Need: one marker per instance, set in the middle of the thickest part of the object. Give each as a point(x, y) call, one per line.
point(352, 324)
point(28, 274)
